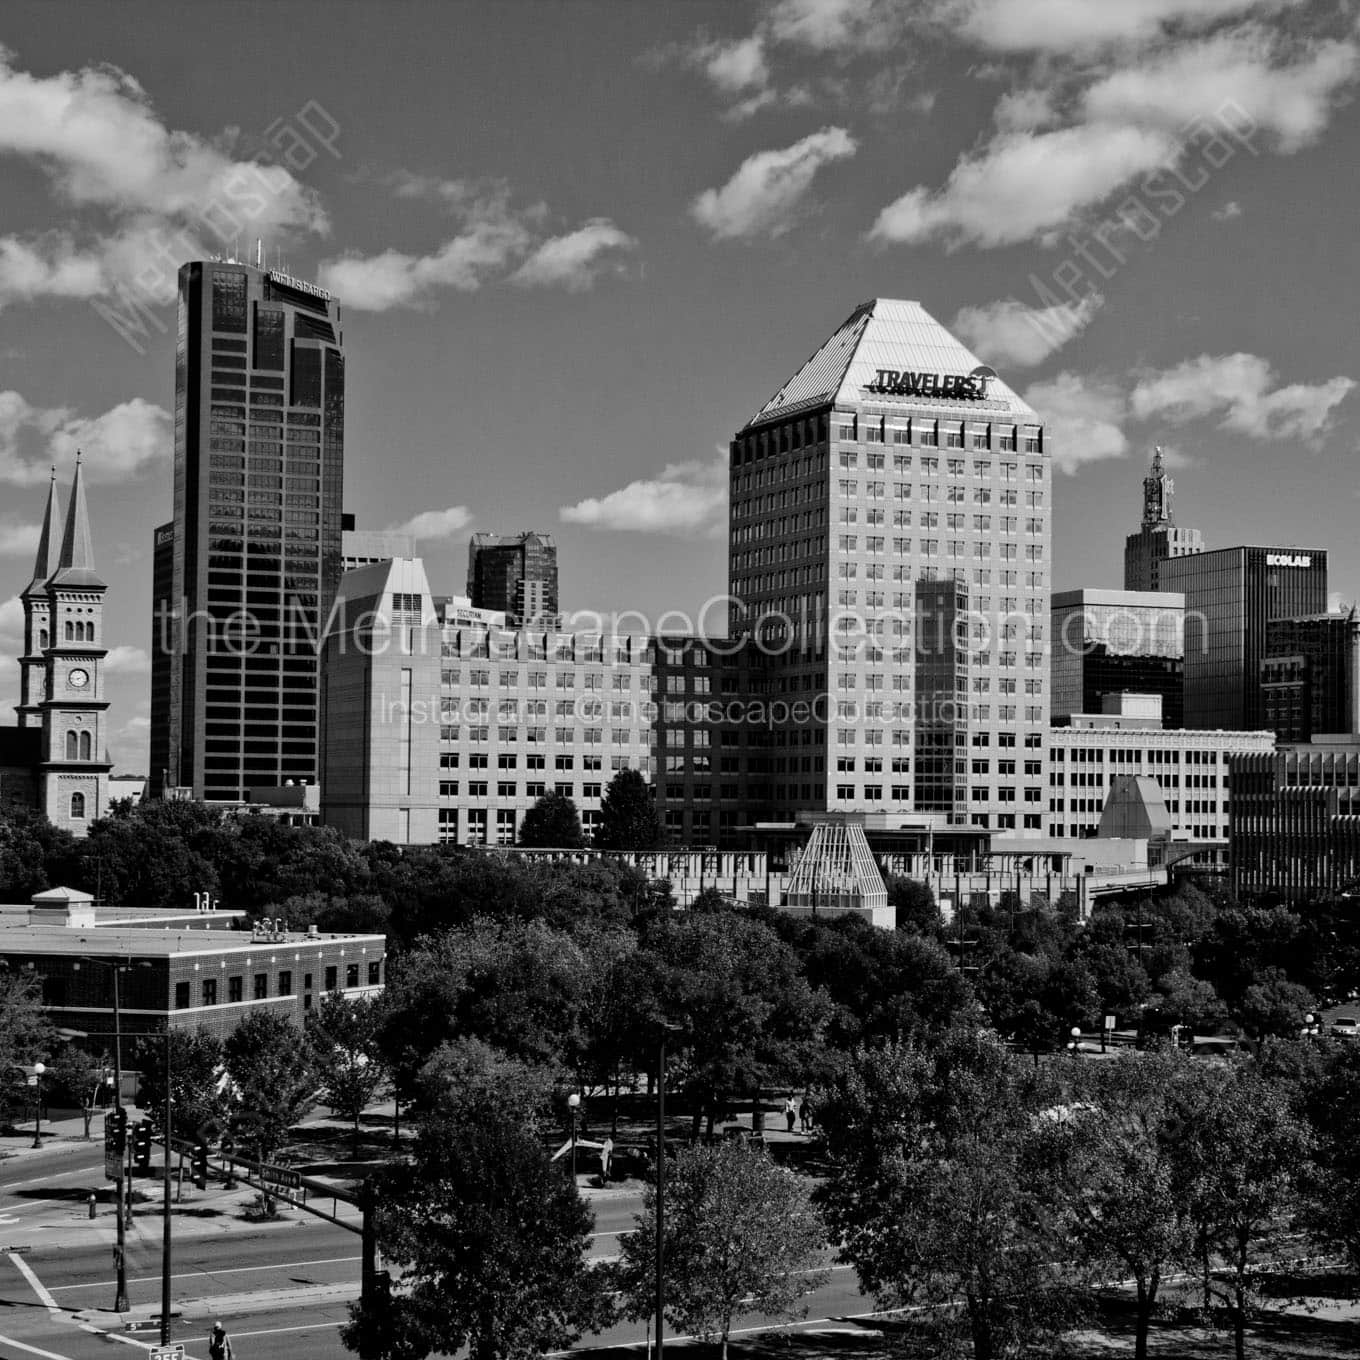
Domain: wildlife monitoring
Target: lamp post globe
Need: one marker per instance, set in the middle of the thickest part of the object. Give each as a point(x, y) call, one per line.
point(38, 1070)
point(574, 1104)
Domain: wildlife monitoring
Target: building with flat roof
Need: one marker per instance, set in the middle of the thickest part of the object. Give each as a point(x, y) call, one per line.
point(1310, 676)
point(1112, 642)
point(1158, 538)
point(181, 970)
point(367, 547)
point(1231, 596)
point(255, 552)
point(515, 575)
point(1295, 821)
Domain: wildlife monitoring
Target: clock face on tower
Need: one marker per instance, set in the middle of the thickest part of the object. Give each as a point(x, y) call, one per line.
point(78, 679)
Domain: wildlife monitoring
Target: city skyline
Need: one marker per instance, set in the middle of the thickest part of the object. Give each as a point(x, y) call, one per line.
point(531, 324)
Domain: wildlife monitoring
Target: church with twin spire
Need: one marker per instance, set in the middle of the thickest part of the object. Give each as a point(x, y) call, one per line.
point(56, 761)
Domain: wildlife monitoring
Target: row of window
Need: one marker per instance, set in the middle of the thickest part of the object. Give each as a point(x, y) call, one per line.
point(208, 988)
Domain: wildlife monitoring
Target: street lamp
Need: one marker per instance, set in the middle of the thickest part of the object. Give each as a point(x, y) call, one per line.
point(574, 1103)
point(38, 1070)
point(1312, 1025)
point(1075, 1046)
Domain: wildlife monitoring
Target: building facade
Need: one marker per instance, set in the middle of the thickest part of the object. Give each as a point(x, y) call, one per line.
point(1295, 821)
point(1231, 595)
point(56, 759)
point(256, 550)
point(890, 531)
point(1310, 677)
point(1158, 538)
point(368, 547)
point(1110, 642)
point(1190, 767)
point(514, 575)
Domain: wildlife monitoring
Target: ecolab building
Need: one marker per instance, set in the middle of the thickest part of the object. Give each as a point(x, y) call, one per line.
point(889, 553)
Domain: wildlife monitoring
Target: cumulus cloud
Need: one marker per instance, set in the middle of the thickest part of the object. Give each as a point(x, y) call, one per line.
point(121, 443)
point(1083, 415)
point(1241, 389)
point(434, 524)
point(127, 661)
point(1087, 26)
point(686, 499)
point(576, 260)
point(97, 138)
point(1010, 334)
point(837, 26)
point(765, 194)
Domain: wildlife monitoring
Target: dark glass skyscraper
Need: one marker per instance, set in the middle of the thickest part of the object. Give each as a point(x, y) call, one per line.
point(515, 575)
point(254, 557)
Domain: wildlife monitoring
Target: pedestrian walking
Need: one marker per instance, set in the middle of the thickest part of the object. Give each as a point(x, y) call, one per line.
point(606, 1156)
point(219, 1344)
point(790, 1111)
point(804, 1116)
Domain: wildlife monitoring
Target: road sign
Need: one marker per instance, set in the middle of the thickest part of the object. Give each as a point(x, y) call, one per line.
point(1109, 1021)
point(174, 1352)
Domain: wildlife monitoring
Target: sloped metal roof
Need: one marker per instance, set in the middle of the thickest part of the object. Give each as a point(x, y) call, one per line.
point(888, 333)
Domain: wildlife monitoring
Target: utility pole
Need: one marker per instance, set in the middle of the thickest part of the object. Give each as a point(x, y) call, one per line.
point(660, 1193)
point(121, 1189)
point(165, 1209)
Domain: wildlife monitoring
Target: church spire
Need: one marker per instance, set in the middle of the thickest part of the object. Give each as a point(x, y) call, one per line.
point(76, 564)
point(49, 540)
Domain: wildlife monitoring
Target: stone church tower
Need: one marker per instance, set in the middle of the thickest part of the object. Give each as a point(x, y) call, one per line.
point(63, 667)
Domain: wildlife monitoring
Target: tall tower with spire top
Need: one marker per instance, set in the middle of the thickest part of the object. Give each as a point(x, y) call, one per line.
point(37, 615)
point(1158, 538)
point(74, 769)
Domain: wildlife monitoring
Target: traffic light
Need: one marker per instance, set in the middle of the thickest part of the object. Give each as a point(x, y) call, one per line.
point(117, 1127)
point(141, 1147)
point(200, 1166)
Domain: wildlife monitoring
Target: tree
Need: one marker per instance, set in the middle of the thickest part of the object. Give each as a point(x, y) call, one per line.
point(273, 1070)
point(489, 1235)
point(741, 1235)
point(628, 819)
point(1273, 1007)
point(33, 853)
point(26, 1034)
point(201, 1099)
point(343, 1033)
point(915, 906)
point(1331, 1102)
point(938, 1191)
point(553, 823)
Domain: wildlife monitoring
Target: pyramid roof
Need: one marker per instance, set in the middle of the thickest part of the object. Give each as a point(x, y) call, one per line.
point(887, 333)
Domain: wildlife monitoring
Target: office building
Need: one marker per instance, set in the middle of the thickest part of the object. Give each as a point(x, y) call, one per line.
point(1310, 675)
point(890, 527)
point(256, 550)
point(368, 547)
point(515, 575)
point(1159, 538)
point(1295, 821)
point(1191, 768)
point(1231, 596)
point(55, 760)
point(1110, 642)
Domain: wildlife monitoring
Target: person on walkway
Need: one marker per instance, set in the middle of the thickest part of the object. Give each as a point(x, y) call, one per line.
point(219, 1344)
point(790, 1111)
point(804, 1116)
point(606, 1156)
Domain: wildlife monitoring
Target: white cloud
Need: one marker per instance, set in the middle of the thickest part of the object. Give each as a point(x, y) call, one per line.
point(1086, 26)
point(1241, 388)
point(433, 524)
point(1083, 416)
point(1024, 185)
point(127, 661)
point(687, 499)
point(574, 261)
point(11, 621)
point(1230, 210)
point(763, 197)
point(736, 67)
point(121, 443)
point(838, 26)
point(1009, 334)
point(96, 137)
point(19, 540)
point(1287, 96)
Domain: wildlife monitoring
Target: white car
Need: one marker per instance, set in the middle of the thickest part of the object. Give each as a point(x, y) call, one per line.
point(1346, 1027)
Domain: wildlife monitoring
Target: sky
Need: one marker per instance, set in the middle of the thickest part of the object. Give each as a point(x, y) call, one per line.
point(578, 245)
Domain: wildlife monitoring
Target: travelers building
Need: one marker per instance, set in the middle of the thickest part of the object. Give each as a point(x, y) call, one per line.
point(246, 570)
point(55, 760)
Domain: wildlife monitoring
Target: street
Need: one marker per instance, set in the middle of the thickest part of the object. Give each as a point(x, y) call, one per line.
point(281, 1288)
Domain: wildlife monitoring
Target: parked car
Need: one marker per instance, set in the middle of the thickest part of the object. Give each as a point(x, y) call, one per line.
point(1346, 1027)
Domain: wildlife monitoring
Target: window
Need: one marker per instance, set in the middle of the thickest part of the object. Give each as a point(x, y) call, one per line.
point(78, 806)
point(210, 991)
point(332, 977)
point(235, 990)
point(181, 996)
point(286, 982)
point(374, 972)
point(351, 975)
point(261, 986)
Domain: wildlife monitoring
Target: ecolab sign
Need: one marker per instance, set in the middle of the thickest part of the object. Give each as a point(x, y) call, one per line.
point(1288, 560)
